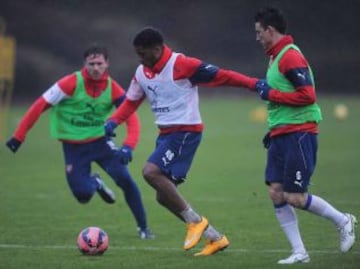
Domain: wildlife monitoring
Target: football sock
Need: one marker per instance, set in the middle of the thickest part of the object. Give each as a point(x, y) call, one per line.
point(211, 234)
point(190, 216)
point(287, 219)
point(134, 201)
point(320, 207)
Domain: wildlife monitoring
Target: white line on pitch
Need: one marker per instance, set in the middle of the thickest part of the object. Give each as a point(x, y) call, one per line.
point(244, 250)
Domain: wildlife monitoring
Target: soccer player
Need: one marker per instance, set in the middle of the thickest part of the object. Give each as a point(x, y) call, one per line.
point(169, 81)
point(80, 102)
point(293, 118)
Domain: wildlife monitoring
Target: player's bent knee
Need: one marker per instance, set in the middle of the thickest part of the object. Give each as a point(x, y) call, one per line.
point(81, 201)
point(82, 197)
point(146, 175)
point(295, 199)
point(276, 194)
point(149, 172)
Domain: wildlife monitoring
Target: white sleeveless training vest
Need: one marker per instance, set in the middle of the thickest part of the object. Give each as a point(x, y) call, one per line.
point(173, 103)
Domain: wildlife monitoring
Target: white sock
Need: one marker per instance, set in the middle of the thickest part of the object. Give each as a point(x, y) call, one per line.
point(190, 216)
point(211, 234)
point(320, 207)
point(287, 219)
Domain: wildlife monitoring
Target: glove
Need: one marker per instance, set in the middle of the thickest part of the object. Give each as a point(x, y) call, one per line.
point(266, 140)
point(125, 154)
point(263, 89)
point(13, 144)
point(110, 127)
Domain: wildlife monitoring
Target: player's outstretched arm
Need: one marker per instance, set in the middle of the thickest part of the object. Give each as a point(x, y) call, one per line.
point(26, 123)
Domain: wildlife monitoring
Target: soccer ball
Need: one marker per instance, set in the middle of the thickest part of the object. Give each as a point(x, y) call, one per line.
point(93, 241)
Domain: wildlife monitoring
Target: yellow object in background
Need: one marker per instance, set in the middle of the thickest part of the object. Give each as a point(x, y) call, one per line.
point(7, 67)
point(258, 114)
point(341, 111)
point(7, 56)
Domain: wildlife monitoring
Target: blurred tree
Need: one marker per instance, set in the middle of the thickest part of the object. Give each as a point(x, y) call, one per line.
point(51, 35)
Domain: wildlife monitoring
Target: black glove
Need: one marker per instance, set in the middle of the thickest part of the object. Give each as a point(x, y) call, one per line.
point(110, 127)
point(263, 89)
point(125, 154)
point(13, 144)
point(266, 140)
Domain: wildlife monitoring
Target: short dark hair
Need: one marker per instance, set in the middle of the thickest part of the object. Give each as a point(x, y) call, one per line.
point(148, 37)
point(270, 16)
point(96, 49)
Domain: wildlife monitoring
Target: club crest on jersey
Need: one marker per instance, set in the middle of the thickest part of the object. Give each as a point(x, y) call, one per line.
point(149, 74)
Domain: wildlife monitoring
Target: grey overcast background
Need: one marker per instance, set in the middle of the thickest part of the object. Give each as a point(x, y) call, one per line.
point(51, 37)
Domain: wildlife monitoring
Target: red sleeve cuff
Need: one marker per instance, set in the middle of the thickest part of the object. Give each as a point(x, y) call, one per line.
point(252, 83)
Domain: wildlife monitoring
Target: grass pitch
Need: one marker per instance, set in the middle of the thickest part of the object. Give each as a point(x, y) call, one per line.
point(40, 220)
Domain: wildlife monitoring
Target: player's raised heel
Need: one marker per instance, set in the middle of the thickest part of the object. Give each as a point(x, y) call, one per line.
point(212, 247)
point(105, 193)
point(194, 232)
